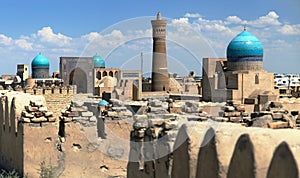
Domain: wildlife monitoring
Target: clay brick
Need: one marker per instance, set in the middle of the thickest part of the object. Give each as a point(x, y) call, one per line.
point(278, 125)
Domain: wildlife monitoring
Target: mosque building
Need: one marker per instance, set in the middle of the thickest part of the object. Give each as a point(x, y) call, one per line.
point(239, 77)
point(40, 73)
point(90, 75)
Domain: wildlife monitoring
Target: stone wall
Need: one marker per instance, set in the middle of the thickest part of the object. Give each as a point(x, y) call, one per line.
point(40, 143)
point(226, 150)
point(211, 66)
point(28, 143)
point(11, 137)
point(11, 130)
point(56, 99)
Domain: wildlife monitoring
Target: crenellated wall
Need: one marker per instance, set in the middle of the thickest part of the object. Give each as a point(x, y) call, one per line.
point(225, 150)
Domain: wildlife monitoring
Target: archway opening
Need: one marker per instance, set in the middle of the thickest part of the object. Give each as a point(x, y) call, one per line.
point(78, 77)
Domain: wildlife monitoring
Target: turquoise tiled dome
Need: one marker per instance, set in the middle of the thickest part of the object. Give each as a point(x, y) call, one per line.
point(99, 61)
point(40, 61)
point(245, 47)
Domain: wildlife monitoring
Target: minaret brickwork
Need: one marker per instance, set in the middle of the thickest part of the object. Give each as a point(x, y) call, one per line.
point(160, 77)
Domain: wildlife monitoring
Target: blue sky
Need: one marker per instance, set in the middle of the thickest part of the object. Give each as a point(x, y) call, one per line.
point(69, 28)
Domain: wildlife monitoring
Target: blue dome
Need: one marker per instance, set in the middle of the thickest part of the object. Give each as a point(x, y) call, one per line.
point(103, 103)
point(245, 47)
point(98, 61)
point(40, 61)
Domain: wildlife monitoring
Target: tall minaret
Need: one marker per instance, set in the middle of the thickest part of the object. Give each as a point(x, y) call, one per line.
point(160, 77)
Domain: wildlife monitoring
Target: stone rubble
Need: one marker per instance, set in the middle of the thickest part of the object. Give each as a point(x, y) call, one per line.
point(76, 112)
point(35, 112)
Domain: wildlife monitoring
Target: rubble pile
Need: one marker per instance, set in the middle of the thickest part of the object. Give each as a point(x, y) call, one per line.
point(278, 117)
point(297, 121)
point(148, 129)
point(77, 113)
point(158, 106)
point(235, 114)
point(117, 112)
point(191, 107)
point(35, 112)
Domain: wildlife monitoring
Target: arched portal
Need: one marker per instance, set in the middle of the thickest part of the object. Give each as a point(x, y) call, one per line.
point(78, 77)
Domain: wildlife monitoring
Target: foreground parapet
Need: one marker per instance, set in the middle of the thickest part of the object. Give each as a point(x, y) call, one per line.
point(228, 150)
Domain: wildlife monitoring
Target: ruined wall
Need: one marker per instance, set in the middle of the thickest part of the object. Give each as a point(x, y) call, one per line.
point(11, 131)
point(22, 143)
point(40, 145)
point(11, 137)
point(56, 99)
point(229, 150)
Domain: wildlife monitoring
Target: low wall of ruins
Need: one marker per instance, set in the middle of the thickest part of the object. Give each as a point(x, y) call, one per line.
point(11, 137)
point(56, 98)
point(222, 150)
point(24, 142)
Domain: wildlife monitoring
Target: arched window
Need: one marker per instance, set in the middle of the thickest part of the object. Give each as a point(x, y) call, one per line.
point(104, 73)
point(98, 75)
point(256, 79)
point(111, 73)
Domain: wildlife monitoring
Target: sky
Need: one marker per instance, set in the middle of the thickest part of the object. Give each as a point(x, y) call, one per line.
point(120, 30)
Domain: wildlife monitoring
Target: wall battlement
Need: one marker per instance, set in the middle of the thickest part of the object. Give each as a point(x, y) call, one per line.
point(48, 91)
point(226, 150)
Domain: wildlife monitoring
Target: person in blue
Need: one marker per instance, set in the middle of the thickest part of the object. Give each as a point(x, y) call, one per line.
point(100, 119)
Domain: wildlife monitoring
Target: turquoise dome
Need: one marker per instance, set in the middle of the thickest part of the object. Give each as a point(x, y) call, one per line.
point(245, 47)
point(40, 61)
point(98, 61)
point(103, 103)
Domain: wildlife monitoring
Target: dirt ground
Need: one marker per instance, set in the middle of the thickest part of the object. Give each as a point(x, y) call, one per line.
point(83, 153)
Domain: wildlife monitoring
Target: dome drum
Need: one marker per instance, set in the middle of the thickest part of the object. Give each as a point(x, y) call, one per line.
point(40, 67)
point(40, 73)
point(235, 66)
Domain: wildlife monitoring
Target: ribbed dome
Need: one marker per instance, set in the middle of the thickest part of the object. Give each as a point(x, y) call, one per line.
point(40, 61)
point(245, 47)
point(99, 61)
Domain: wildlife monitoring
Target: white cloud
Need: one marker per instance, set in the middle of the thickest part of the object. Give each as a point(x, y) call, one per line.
point(215, 27)
point(192, 15)
point(290, 29)
point(180, 21)
point(117, 34)
point(4, 40)
point(23, 44)
point(233, 19)
point(92, 36)
point(270, 19)
point(46, 35)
